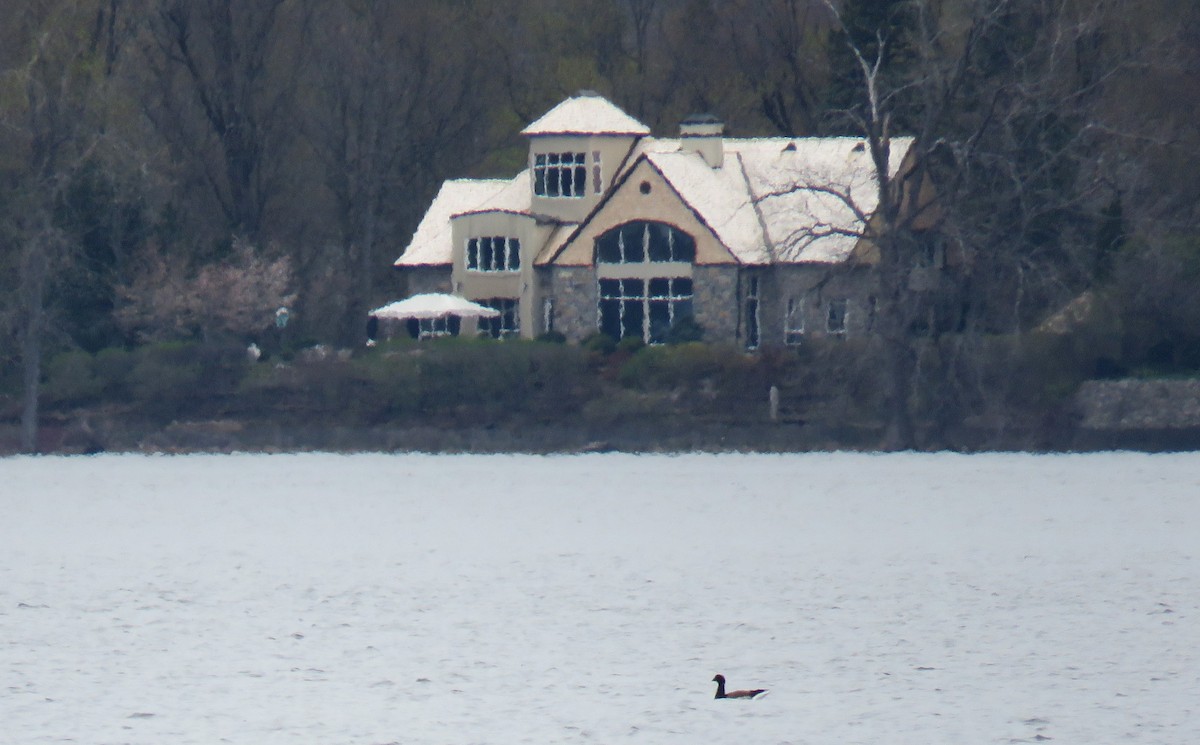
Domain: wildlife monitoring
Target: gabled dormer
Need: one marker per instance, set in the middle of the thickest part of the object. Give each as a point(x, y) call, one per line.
point(575, 150)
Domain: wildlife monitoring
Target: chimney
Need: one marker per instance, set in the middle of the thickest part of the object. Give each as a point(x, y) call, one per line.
point(702, 133)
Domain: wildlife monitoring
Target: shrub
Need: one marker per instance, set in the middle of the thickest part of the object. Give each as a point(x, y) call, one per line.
point(1009, 379)
point(482, 380)
point(707, 379)
point(71, 379)
point(559, 380)
point(1154, 294)
point(600, 343)
point(630, 344)
point(620, 405)
point(683, 365)
point(113, 366)
point(452, 380)
point(685, 330)
point(167, 379)
point(174, 379)
point(333, 389)
point(466, 373)
point(1050, 367)
point(394, 385)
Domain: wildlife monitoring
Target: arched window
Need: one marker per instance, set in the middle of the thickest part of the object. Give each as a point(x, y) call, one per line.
point(645, 280)
point(640, 242)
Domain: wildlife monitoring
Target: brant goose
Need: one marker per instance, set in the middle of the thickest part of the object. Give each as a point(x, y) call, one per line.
point(720, 681)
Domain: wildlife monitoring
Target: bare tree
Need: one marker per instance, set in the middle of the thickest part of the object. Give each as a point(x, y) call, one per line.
point(223, 81)
point(1002, 127)
point(48, 131)
point(397, 100)
point(781, 47)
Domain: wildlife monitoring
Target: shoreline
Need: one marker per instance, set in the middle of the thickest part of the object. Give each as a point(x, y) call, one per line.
point(233, 435)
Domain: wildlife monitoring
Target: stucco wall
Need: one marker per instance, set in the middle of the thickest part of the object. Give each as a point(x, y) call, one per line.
point(520, 285)
point(613, 150)
point(475, 285)
point(419, 280)
point(659, 204)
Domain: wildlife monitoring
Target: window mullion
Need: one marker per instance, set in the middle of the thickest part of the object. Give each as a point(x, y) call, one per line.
point(646, 314)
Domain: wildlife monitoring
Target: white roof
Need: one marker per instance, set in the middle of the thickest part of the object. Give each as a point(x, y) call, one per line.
point(434, 305)
point(811, 192)
point(586, 114)
point(515, 196)
point(432, 243)
point(720, 198)
point(788, 200)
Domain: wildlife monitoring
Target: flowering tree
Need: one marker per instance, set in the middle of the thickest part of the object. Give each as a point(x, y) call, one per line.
point(237, 297)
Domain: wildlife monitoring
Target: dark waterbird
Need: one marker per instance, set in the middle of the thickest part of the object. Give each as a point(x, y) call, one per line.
point(721, 693)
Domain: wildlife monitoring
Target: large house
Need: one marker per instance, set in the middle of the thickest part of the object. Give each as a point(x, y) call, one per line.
point(612, 230)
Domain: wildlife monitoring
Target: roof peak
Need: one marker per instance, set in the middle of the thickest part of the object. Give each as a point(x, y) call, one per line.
point(587, 112)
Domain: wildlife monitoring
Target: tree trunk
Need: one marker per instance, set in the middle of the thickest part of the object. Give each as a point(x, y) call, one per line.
point(896, 309)
point(899, 433)
point(31, 363)
point(33, 290)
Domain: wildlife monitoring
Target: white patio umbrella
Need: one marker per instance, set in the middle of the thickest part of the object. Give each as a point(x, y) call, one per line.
point(434, 305)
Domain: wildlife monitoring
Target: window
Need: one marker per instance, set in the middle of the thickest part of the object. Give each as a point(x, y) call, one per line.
point(560, 174)
point(548, 315)
point(793, 322)
point(669, 300)
point(637, 298)
point(494, 254)
point(507, 325)
point(639, 242)
point(644, 309)
point(930, 254)
point(835, 321)
point(623, 307)
point(432, 328)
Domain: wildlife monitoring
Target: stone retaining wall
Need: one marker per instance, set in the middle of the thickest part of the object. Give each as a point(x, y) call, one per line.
point(1131, 405)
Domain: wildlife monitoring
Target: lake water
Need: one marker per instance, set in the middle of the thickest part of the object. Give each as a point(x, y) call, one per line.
point(570, 599)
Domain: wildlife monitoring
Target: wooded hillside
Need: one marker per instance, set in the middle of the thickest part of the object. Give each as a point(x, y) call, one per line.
point(174, 170)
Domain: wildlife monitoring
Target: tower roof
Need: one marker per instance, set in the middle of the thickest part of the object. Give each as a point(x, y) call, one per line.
point(586, 113)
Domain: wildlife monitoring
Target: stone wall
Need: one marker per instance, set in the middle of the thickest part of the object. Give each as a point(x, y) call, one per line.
point(812, 287)
point(715, 302)
point(574, 291)
point(1133, 405)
